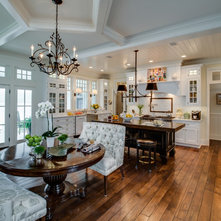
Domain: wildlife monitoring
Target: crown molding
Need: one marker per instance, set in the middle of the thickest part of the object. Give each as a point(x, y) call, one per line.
point(114, 36)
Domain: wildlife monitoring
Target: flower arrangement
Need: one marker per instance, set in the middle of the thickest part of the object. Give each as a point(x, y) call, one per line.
point(44, 108)
point(140, 107)
point(95, 106)
point(39, 150)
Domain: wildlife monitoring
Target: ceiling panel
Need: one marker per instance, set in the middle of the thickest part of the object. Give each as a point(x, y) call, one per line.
point(77, 11)
point(205, 47)
point(130, 17)
point(6, 20)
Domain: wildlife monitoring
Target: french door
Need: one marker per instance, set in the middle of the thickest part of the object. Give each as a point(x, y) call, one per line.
point(4, 116)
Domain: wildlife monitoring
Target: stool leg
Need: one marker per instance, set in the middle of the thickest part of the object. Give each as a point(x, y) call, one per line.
point(137, 158)
point(149, 159)
point(128, 152)
point(155, 158)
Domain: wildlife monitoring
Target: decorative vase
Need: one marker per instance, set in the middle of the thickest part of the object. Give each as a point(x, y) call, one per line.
point(95, 111)
point(140, 112)
point(38, 160)
point(50, 141)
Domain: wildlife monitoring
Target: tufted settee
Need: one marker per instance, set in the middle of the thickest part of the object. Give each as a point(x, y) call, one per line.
point(113, 139)
point(19, 204)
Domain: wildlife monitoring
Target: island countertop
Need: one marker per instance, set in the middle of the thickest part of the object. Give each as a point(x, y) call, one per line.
point(146, 125)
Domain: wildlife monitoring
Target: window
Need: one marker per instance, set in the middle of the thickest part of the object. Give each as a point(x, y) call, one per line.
point(52, 99)
point(24, 113)
point(2, 71)
point(68, 93)
point(23, 74)
point(94, 96)
point(82, 98)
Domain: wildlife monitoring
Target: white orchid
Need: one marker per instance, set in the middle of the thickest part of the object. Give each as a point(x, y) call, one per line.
point(43, 108)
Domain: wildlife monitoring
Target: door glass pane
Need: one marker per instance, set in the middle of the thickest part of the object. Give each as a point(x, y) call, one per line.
point(2, 97)
point(20, 97)
point(24, 113)
point(28, 97)
point(2, 133)
point(2, 115)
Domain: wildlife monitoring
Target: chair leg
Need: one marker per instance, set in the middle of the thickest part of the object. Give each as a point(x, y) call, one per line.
point(128, 152)
point(105, 185)
point(86, 175)
point(122, 171)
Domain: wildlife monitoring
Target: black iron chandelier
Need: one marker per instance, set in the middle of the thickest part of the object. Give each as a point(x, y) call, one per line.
point(52, 58)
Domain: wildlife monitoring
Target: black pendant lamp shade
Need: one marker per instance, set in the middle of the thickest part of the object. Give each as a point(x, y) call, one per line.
point(121, 88)
point(151, 86)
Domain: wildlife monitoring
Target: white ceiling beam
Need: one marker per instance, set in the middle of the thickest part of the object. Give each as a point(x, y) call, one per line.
point(100, 15)
point(194, 28)
point(16, 29)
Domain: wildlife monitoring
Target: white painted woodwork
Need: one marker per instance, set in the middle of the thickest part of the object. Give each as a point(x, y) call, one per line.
point(215, 126)
point(79, 123)
point(190, 134)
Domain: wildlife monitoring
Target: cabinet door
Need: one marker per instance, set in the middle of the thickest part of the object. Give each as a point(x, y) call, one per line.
point(180, 136)
point(79, 124)
point(193, 97)
point(192, 136)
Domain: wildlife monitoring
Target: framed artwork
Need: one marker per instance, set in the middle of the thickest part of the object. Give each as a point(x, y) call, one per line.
point(157, 74)
point(218, 99)
point(162, 105)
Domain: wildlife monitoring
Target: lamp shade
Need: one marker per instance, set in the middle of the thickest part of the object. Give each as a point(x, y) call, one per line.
point(78, 90)
point(121, 88)
point(151, 86)
point(94, 91)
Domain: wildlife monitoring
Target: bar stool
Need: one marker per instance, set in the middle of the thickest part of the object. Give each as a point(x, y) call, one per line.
point(148, 145)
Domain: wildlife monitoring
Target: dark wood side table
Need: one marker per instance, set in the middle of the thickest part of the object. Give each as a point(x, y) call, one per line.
point(15, 161)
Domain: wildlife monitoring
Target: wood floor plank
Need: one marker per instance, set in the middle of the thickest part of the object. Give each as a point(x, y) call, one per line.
point(188, 187)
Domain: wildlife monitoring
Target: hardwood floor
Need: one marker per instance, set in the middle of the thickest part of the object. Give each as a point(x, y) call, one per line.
point(187, 188)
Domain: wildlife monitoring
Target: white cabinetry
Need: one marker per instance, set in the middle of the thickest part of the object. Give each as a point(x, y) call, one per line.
point(66, 125)
point(70, 125)
point(189, 135)
point(79, 123)
point(191, 84)
point(57, 94)
point(104, 93)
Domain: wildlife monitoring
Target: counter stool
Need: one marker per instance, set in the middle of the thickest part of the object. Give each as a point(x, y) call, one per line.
point(148, 145)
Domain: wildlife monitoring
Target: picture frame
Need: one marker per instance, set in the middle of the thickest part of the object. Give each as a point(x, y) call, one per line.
point(161, 105)
point(218, 98)
point(157, 74)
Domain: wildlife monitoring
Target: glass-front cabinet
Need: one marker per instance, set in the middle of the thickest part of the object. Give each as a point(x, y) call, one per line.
point(193, 76)
point(57, 95)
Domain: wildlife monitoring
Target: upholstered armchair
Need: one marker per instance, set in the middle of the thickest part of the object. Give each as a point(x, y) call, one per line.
point(113, 138)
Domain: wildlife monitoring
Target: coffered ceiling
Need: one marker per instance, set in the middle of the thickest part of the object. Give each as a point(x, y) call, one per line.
point(107, 31)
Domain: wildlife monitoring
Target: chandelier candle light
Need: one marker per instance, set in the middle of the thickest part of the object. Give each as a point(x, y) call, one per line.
point(56, 61)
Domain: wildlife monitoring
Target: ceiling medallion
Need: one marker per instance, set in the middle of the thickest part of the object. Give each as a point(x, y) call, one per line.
point(52, 58)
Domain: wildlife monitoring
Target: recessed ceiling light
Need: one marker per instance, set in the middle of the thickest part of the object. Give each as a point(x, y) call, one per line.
point(90, 67)
point(102, 70)
point(183, 56)
point(151, 61)
point(128, 64)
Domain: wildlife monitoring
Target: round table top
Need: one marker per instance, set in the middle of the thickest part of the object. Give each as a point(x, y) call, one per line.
point(15, 161)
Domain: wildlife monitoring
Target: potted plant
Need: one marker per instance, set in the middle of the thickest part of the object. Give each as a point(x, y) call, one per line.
point(140, 107)
point(44, 109)
point(62, 138)
point(95, 107)
point(39, 151)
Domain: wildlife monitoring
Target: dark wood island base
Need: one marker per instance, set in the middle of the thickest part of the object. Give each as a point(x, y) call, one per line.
point(164, 135)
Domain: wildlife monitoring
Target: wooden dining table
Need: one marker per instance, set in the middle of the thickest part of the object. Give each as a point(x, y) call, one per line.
point(164, 134)
point(16, 160)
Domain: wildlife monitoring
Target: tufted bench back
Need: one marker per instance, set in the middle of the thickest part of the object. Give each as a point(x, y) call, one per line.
point(111, 136)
